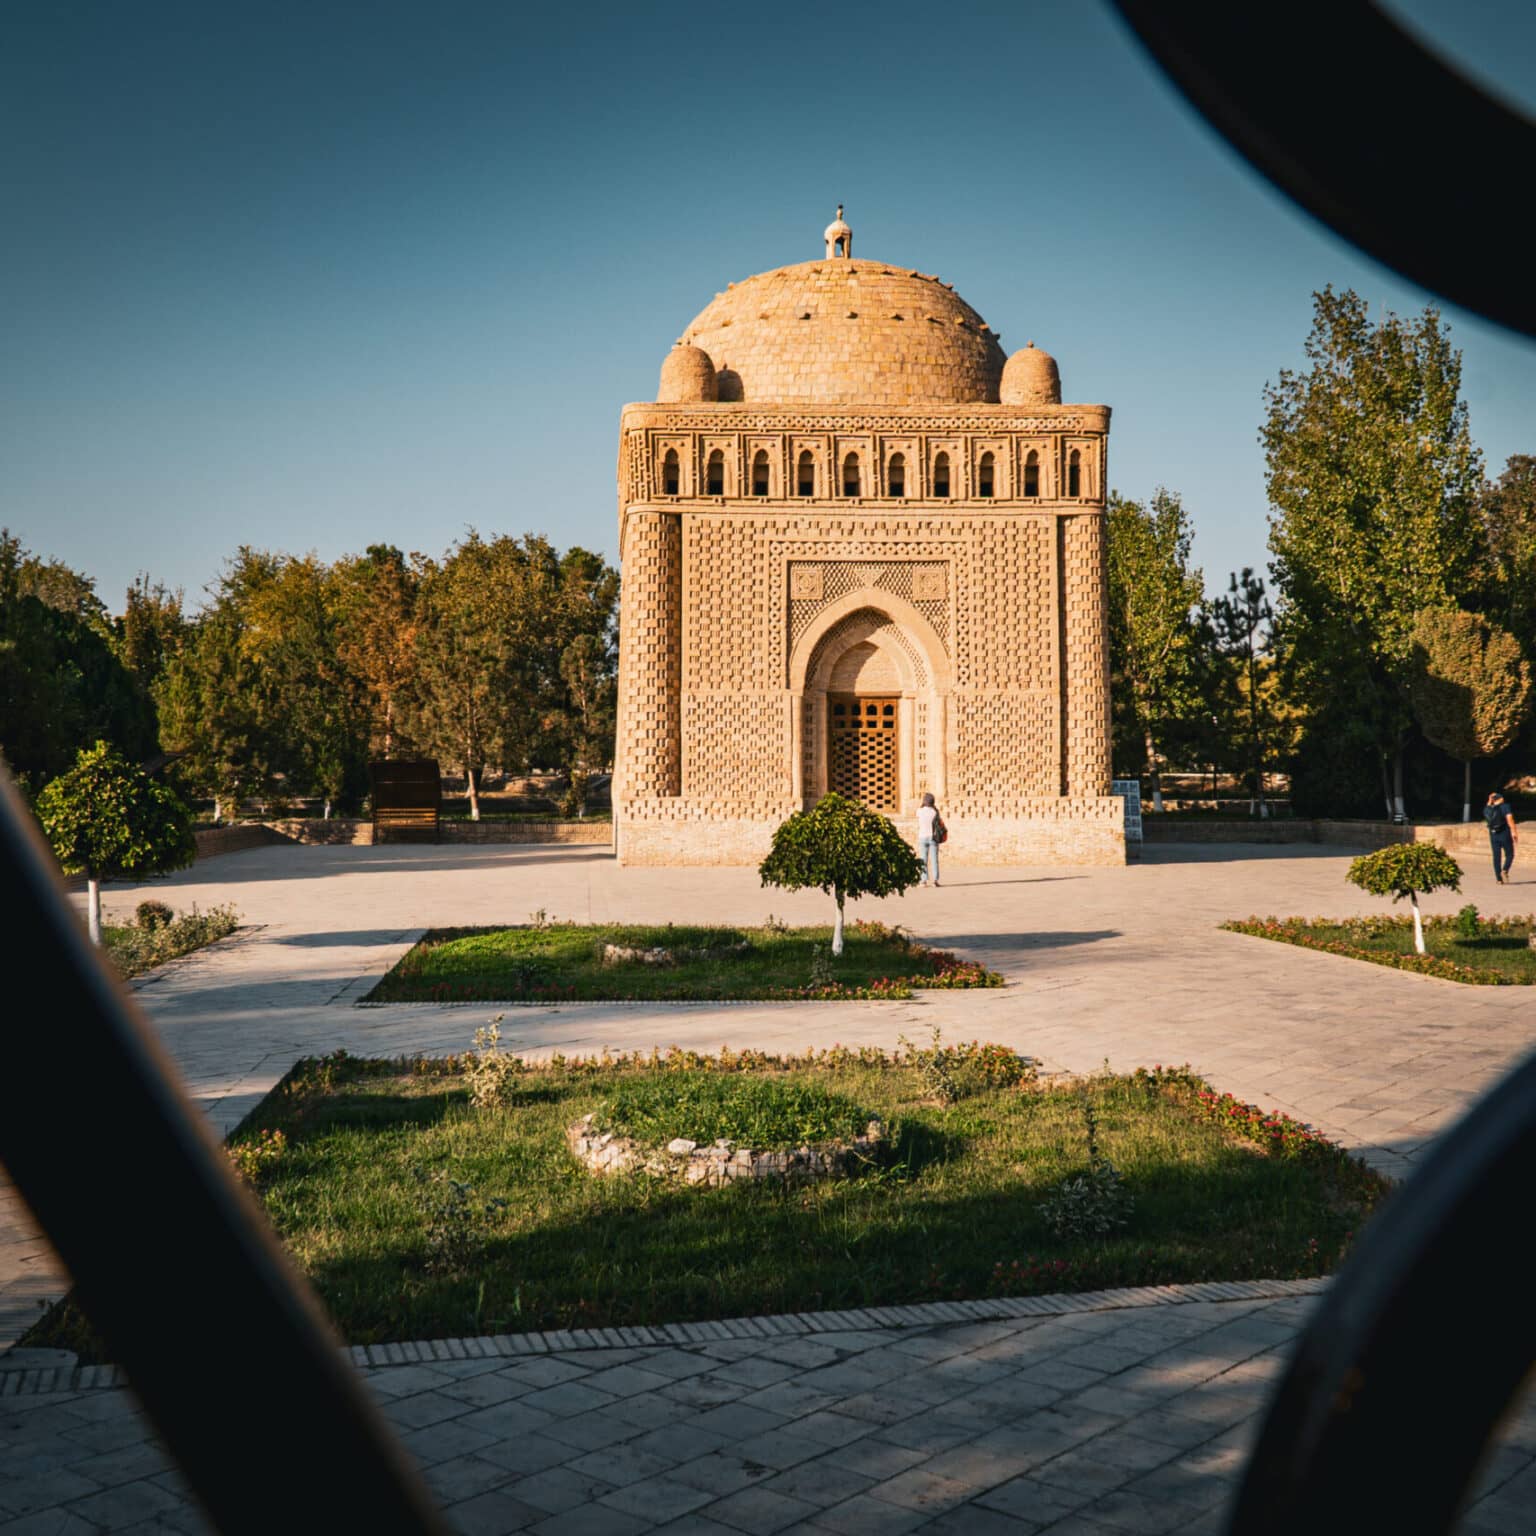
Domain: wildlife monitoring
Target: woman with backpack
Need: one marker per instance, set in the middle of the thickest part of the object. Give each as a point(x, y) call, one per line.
point(1501, 834)
point(931, 831)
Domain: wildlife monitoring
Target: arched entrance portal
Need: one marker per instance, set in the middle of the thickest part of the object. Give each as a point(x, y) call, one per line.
point(863, 703)
point(871, 682)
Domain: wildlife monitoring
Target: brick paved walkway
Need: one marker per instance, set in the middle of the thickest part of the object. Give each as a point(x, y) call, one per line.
point(1126, 1419)
point(1120, 964)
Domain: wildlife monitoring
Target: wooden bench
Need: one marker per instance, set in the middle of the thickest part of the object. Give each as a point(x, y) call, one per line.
point(407, 801)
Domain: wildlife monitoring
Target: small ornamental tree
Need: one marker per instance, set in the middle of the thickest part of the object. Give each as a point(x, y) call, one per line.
point(1405, 869)
point(843, 848)
point(107, 819)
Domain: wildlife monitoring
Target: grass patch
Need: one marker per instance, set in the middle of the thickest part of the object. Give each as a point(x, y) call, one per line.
point(416, 1215)
point(1498, 954)
point(549, 962)
point(142, 946)
point(768, 1113)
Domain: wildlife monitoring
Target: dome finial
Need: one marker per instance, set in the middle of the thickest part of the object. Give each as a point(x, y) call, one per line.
point(838, 236)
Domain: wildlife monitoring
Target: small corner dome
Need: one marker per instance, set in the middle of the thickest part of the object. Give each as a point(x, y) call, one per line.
point(1031, 377)
point(687, 375)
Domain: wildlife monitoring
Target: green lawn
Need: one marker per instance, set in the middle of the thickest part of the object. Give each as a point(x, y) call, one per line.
point(560, 961)
point(417, 1215)
point(1500, 955)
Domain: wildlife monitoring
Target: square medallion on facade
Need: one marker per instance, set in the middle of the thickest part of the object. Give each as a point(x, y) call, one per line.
point(928, 584)
point(805, 583)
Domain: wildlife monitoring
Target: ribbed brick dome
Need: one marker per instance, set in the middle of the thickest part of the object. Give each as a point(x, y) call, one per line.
point(837, 331)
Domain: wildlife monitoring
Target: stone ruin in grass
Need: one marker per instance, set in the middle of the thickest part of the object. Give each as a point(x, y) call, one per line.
point(724, 1162)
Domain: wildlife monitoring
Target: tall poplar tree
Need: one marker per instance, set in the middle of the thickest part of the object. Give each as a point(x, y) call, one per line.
point(1154, 596)
point(1372, 479)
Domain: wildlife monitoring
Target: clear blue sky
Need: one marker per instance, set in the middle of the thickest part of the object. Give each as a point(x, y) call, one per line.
point(319, 276)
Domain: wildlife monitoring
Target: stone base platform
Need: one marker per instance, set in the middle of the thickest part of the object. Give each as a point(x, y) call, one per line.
point(1078, 830)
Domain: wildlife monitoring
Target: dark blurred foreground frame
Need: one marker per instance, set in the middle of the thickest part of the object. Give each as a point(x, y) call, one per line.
point(1369, 132)
point(1419, 1347)
point(173, 1261)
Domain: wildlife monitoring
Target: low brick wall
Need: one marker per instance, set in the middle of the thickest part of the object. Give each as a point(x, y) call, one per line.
point(353, 832)
point(212, 841)
point(343, 831)
point(1455, 837)
point(599, 833)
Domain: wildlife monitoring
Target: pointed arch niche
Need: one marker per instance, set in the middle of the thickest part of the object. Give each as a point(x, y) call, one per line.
point(871, 644)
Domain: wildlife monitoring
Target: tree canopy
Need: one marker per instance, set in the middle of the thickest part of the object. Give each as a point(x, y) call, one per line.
point(843, 849)
point(106, 819)
point(1373, 479)
point(1154, 596)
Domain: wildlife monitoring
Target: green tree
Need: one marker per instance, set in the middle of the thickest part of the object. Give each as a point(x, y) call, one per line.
point(150, 631)
point(1470, 686)
point(1154, 598)
point(375, 596)
point(1240, 622)
point(106, 819)
point(845, 850)
point(588, 672)
point(496, 620)
point(315, 717)
point(1372, 479)
point(1506, 516)
point(211, 714)
point(1405, 869)
point(61, 682)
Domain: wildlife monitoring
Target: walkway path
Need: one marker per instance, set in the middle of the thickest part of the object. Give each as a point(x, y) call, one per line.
point(1125, 965)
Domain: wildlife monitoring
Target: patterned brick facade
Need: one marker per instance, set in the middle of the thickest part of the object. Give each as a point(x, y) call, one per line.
point(844, 536)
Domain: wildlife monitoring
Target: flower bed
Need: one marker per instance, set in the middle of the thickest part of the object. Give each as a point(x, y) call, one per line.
point(547, 962)
point(1497, 953)
point(419, 1209)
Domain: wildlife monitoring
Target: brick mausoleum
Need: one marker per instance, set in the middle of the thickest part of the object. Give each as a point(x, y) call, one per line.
point(862, 551)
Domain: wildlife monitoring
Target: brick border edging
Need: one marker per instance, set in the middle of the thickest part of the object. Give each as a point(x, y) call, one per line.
point(34, 1381)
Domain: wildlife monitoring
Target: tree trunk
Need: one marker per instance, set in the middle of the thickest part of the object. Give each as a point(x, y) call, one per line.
point(1466, 789)
point(1386, 789)
point(474, 793)
point(216, 805)
point(837, 927)
point(327, 813)
point(389, 727)
point(1418, 923)
point(1157, 782)
point(1398, 812)
point(93, 907)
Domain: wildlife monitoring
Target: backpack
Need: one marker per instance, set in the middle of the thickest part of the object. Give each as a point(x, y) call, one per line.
point(940, 831)
point(1496, 816)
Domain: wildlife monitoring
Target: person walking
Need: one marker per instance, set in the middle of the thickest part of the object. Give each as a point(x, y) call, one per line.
point(1501, 834)
point(930, 833)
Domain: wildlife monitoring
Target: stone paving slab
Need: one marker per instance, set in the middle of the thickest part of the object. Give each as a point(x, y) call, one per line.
point(986, 1425)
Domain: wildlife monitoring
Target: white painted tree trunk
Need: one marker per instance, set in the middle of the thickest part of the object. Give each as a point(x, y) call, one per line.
point(474, 794)
point(93, 908)
point(1466, 790)
point(1418, 924)
point(837, 928)
point(327, 814)
point(217, 804)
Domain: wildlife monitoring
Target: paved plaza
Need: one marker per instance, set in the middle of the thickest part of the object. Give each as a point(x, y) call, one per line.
point(1123, 1417)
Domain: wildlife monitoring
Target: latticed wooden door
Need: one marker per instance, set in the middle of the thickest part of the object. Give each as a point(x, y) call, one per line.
point(861, 749)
